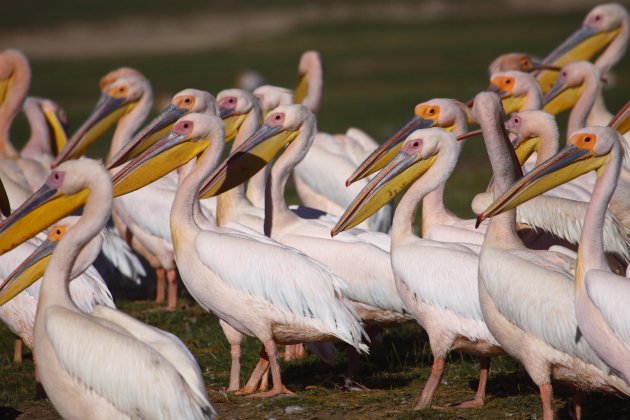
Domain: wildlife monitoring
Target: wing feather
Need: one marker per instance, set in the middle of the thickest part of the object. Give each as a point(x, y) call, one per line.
point(128, 373)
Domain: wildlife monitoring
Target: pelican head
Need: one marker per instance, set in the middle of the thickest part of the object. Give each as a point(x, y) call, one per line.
point(438, 112)
point(418, 153)
point(234, 106)
point(63, 192)
point(283, 125)
point(601, 26)
point(526, 127)
point(33, 267)
point(270, 97)
point(569, 86)
point(183, 103)
point(118, 98)
point(189, 138)
point(588, 149)
point(514, 88)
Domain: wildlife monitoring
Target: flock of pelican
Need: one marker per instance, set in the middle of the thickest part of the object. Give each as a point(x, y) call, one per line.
point(540, 275)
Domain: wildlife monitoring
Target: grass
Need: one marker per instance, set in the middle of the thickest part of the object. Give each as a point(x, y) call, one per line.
point(375, 72)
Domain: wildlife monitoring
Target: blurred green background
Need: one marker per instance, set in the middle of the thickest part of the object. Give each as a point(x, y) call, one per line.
point(381, 58)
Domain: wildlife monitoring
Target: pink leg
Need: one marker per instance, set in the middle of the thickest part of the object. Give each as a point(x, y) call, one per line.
point(432, 383)
point(546, 396)
point(578, 402)
point(299, 351)
point(259, 371)
point(171, 278)
point(278, 387)
point(480, 395)
point(289, 352)
point(17, 350)
point(160, 275)
point(264, 381)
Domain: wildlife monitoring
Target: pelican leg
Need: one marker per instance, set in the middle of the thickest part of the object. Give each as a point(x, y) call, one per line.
point(264, 381)
point(17, 350)
point(278, 387)
point(480, 395)
point(160, 275)
point(576, 406)
point(234, 338)
point(432, 383)
point(171, 278)
point(255, 378)
point(546, 396)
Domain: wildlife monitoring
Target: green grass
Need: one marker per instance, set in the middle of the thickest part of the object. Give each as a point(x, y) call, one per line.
point(375, 72)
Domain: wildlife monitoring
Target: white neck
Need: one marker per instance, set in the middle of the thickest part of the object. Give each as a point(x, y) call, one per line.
point(591, 250)
point(583, 106)
point(432, 181)
point(17, 91)
point(616, 50)
point(276, 208)
point(185, 211)
point(230, 201)
point(38, 143)
point(54, 290)
point(130, 123)
point(548, 144)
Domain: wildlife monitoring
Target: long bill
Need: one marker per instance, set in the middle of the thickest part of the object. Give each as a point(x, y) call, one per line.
point(383, 154)
point(107, 112)
point(560, 97)
point(247, 159)
point(28, 272)
point(583, 44)
point(167, 154)
point(58, 128)
point(403, 169)
point(46, 206)
point(569, 163)
point(159, 127)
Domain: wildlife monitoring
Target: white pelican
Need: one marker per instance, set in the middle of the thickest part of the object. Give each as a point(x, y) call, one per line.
point(86, 290)
point(361, 258)
point(234, 274)
point(518, 91)
point(48, 123)
point(606, 27)
point(436, 280)
point(527, 296)
point(107, 364)
point(599, 294)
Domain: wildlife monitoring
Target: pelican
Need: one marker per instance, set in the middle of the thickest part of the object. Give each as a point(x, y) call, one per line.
point(48, 124)
point(598, 292)
point(86, 290)
point(606, 27)
point(360, 257)
point(107, 363)
point(18, 174)
point(252, 293)
point(518, 91)
point(437, 281)
point(526, 296)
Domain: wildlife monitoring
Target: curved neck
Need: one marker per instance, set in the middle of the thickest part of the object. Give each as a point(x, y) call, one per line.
point(19, 84)
point(548, 143)
point(534, 98)
point(230, 201)
point(431, 182)
point(501, 231)
point(616, 50)
point(591, 250)
point(39, 142)
point(185, 208)
point(434, 210)
point(276, 207)
point(256, 187)
point(130, 123)
point(583, 106)
point(54, 290)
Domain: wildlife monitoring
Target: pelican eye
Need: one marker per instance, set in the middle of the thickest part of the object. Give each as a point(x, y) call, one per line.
point(516, 120)
point(58, 231)
point(431, 111)
point(416, 144)
point(587, 139)
point(187, 100)
point(598, 18)
point(186, 125)
point(278, 117)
